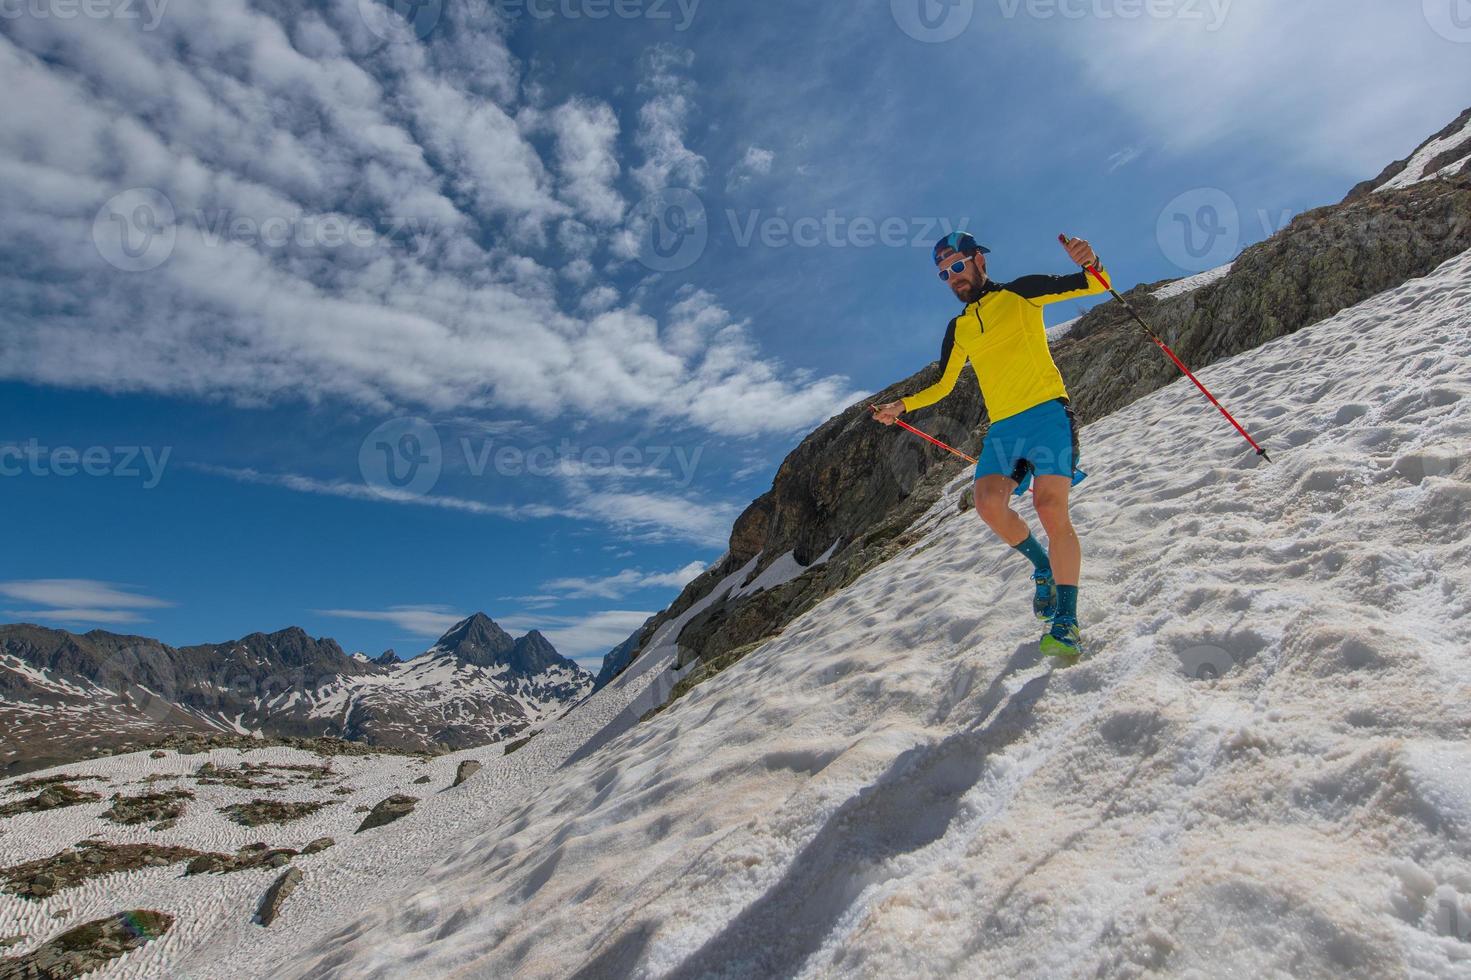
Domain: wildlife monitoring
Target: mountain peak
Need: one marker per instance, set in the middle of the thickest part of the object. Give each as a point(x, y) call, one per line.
point(478, 640)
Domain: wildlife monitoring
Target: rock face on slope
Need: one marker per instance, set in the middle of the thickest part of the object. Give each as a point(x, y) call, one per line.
point(67, 696)
point(852, 484)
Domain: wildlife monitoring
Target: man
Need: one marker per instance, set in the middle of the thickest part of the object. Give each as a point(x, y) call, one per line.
point(1033, 436)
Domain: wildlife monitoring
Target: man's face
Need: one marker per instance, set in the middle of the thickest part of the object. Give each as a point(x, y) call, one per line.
point(965, 284)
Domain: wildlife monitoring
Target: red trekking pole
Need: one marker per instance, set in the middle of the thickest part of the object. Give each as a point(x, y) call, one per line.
point(926, 437)
point(1093, 270)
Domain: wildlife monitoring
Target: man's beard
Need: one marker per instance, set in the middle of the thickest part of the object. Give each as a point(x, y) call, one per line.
point(969, 294)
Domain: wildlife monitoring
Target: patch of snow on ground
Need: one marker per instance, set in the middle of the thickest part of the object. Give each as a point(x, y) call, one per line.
point(1414, 171)
point(1191, 283)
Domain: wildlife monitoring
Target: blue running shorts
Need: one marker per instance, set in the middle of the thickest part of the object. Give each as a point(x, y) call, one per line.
point(1042, 441)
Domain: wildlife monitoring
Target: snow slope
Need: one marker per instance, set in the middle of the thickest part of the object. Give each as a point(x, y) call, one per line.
point(896, 787)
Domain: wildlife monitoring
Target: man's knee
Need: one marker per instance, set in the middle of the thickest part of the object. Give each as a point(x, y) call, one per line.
point(991, 506)
point(1052, 507)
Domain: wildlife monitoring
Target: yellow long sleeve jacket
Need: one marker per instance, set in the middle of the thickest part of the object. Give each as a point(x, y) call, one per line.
point(1003, 336)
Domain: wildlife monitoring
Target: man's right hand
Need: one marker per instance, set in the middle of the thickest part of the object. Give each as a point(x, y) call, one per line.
point(888, 414)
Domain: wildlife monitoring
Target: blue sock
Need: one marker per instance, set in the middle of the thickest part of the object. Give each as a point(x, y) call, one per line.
point(1033, 549)
point(1067, 603)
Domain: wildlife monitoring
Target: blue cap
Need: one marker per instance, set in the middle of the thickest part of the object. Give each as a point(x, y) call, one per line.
point(959, 241)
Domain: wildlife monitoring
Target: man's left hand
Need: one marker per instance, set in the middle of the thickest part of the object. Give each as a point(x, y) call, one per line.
point(1081, 252)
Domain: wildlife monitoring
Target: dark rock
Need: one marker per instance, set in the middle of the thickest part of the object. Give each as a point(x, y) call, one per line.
point(396, 807)
point(88, 947)
point(8, 941)
point(276, 895)
point(258, 812)
point(468, 768)
point(90, 859)
point(318, 845)
point(51, 798)
point(158, 754)
point(147, 808)
point(422, 779)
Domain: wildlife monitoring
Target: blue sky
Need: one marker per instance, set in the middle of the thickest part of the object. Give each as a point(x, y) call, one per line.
point(582, 280)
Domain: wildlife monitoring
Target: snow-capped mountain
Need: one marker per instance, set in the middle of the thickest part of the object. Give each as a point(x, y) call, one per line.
point(68, 695)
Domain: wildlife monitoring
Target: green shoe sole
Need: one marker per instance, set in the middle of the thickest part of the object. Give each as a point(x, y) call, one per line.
point(1070, 653)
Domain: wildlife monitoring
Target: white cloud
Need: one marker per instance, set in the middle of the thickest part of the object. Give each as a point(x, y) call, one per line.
point(1329, 82)
point(443, 307)
point(668, 162)
point(72, 600)
point(1123, 158)
point(586, 134)
point(625, 582)
point(756, 163)
point(431, 622)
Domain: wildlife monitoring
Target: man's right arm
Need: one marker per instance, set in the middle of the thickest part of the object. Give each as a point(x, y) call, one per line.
point(952, 361)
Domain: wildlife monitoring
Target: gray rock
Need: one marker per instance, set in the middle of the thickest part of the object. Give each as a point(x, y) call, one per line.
point(318, 845)
point(88, 947)
point(421, 780)
point(276, 895)
point(467, 769)
point(396, 807)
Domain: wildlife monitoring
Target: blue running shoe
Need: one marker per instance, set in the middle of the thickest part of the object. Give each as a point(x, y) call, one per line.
point(1044, 603)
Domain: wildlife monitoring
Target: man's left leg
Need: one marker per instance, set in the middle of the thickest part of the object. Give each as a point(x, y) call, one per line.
point(1050, 497)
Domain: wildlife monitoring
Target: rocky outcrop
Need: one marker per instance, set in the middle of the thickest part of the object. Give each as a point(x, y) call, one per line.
point(467, 769)
point(259, 812)
point(50, 798)
point(1438, 162)
point(396, 807)
point(89, 859)
point(88, 947)
point(276, 895)
point(159, 809)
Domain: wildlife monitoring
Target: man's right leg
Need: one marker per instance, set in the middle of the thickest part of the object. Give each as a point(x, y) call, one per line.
point(993, 503)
